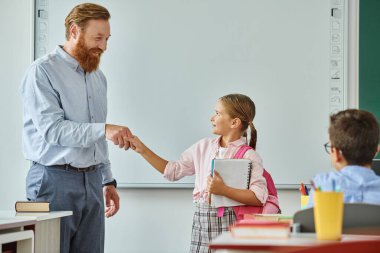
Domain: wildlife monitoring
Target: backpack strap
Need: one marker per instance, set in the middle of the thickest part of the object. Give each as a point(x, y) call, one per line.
point(270, 206)
point(240, 153)
point(270, 184)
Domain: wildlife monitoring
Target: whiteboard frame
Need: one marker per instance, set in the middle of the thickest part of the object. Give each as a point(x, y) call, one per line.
point(349, 81)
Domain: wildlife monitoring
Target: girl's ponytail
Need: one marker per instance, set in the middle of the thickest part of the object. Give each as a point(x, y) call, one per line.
point(253, 136)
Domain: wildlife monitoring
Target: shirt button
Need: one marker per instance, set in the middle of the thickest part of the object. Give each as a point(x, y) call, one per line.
point(92, 117)
point(89, 97)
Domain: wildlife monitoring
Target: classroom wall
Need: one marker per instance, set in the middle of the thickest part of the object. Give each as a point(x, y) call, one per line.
point(16, 54)
point(150, 220)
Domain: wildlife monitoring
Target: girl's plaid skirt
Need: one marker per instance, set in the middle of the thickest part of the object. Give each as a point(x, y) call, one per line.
point(207, 225)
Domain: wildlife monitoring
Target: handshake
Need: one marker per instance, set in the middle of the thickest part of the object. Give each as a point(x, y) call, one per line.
point(123, 137)
point(119, 135)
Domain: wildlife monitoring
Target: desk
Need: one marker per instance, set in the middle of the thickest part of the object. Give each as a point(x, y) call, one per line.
point(46, 227)
point(226, 243)
point(24, 239)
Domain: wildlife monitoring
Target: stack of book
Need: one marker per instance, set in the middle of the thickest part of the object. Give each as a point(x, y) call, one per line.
point(260, 229)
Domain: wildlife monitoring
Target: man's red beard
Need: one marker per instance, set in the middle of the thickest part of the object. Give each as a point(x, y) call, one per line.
point(88, 59)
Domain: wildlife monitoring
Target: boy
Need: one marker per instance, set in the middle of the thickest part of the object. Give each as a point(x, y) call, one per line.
point(354, 142)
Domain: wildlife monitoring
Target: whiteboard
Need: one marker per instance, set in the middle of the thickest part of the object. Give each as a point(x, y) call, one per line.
point(168, 61)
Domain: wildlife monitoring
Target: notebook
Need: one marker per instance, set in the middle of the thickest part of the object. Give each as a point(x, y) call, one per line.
point(236, 173)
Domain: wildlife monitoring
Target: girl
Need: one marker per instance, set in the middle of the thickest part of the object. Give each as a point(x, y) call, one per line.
point(232, 121)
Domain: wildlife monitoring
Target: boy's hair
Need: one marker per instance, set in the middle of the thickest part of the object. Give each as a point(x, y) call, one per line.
point(355, 133)
point(242, 107)
point(82, 13)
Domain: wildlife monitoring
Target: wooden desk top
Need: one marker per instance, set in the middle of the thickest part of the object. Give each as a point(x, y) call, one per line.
point(11, 219)
point(6, 223)
point(44, 215)
point(294, 242)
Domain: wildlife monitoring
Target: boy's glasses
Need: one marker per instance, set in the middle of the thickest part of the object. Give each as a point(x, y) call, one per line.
point(327, 147)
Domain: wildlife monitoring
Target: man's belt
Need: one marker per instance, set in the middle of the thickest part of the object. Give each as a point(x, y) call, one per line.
point(72, 168)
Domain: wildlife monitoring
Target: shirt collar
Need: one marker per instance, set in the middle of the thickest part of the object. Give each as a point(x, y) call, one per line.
point(237, 143)
point(71, 61)
point(358, 168)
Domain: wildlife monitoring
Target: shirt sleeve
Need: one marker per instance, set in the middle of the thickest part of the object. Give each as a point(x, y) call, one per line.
point(258, 183)
point(105, 168)
point(42, 103)
point(176, 170)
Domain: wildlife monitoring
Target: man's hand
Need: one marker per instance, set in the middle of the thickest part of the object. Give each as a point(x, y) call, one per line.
point(118, 135)
point(112, 200)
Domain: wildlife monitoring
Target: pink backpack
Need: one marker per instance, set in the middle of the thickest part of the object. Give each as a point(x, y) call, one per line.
point(271, 206)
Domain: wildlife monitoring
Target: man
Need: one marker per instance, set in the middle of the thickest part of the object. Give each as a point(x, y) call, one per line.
point(64, 132)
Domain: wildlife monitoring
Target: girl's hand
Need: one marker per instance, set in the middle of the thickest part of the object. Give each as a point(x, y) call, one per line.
point(215, 184)
point(137, 145)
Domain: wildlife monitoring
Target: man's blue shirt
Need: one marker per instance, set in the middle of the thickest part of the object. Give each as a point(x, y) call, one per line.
point(65, 111)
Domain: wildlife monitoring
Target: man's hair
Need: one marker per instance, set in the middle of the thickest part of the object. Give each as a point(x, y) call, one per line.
point(356, 134)
point(82, 13)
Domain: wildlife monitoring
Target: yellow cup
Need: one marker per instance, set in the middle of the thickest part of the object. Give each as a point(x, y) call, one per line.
point(328, 215)
point(304, 201)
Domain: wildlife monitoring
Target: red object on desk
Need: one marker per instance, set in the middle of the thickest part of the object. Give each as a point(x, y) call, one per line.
point(297, 243)
point(344, 247)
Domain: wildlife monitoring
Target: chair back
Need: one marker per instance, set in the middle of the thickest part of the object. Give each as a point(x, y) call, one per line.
point(358, 218)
